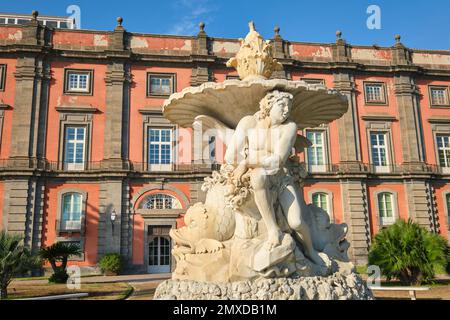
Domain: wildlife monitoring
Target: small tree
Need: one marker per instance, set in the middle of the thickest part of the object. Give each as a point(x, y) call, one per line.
point(58, 253)
point(408, 252)
point(14, 259)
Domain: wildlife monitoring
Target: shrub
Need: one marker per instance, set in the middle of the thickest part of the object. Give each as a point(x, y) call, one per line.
point(59, 252)
point(111, 262)
point(408, 252)
point(14, 259)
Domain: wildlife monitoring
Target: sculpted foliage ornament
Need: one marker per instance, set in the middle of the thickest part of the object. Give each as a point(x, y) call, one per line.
point(255, 57)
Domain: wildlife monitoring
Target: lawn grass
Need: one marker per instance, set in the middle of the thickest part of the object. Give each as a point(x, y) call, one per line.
point(97, 291)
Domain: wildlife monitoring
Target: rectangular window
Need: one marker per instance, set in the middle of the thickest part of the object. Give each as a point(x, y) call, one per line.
point(374, 93)
point(447, 198)
point(316, 152)
point(71, 215)
point(443, 149)
point(439, 96)
point(160, 84)
point(2, 77)
point(78, 81)
point(379, 151)
point(75, 148)
point(212, 148)
point(160, 149)
point(52, 24)
point(22, 21)
point(385, 208)
point(2, 21)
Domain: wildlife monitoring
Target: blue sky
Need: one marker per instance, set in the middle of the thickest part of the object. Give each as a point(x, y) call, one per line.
point(422, 24)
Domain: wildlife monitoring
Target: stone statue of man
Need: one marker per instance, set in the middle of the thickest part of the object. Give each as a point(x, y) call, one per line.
point(259, 151)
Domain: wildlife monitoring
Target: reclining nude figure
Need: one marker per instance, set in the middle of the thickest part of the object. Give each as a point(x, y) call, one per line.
point(259, 150)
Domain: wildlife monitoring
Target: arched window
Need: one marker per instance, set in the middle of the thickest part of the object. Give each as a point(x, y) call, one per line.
point(160, 201)
point(386, 208)
point(320, 199)
point(71, 211)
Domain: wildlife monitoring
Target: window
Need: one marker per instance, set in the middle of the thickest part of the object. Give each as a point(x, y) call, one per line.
point(379, 151)
point(160, 149)
point(212, 148)
point(374, 93)
point(230, 77)
point(320, 200)
point(52, 24)
point(443, 149)
point(439, 96)
point(160, 84)
point(2, 77)
point(313, 81)
point(78, 81)
point(71, 212)
point(385, 208)
point(447, 200)
point(75, 148)
point(22, 21)
point(160, 201)
point(3, 21)
point(316, 152)
point(64, 25)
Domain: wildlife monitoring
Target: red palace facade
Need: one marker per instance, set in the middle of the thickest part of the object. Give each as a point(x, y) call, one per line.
point(87, 157)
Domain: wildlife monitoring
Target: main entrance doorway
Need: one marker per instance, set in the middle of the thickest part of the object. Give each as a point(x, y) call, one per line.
point(159, 250)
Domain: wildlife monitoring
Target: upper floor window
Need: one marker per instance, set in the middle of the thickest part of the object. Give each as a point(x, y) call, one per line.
point(379, 151)
point(375, 92)
point(160, 201)
point(313, 81)
point(160, 149)
point(2, 76)
point(320, 200)
point(71, 212)
point(212, 148)
point(386, 208)
point(78, 81)
point(160, 84)
point(447, 200)
point(316, 152)
point(232, 77)
point(74, 148)
point(439, 96)
point(443, 149)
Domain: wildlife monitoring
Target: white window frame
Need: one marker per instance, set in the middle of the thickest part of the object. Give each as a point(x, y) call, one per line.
point(446, 148)
point(445, 96)
point(175, 203)
point(159, 166)
point(78, 90)
point(378, 147)
point(382, 92)
point(74, 166)
point(313, 148)
point(71, 224)
point(385, 221)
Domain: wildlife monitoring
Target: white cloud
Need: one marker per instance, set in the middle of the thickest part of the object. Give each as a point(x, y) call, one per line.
point(192, 12)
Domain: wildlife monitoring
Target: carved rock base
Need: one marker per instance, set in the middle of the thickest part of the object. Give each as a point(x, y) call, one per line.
point(335, 287)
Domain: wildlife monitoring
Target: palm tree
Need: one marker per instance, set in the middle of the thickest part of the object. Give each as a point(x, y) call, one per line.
point(14, 259)
point(408, 252)
point(59, 252)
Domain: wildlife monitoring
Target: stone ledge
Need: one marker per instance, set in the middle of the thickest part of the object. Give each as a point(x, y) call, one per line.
point(335, 287)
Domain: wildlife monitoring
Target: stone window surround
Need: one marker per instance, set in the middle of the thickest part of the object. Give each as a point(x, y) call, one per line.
point(82, 232)
point(437, 128)
point(329, 195)
point(173, 78)
point(385, 127)
point(66, 90)
point(157, 121)
point(78, 120)
point(316, 80)
point(2, 77)
point(437, 106)
point(327, 157)
point(385, 101)
point(154, 188)
point(446, 207)
point(394, 205)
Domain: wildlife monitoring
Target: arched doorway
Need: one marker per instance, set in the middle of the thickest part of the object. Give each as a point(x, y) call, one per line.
point(159, 255)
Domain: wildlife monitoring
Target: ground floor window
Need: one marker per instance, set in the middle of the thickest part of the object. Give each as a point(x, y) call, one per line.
point(159, 255)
